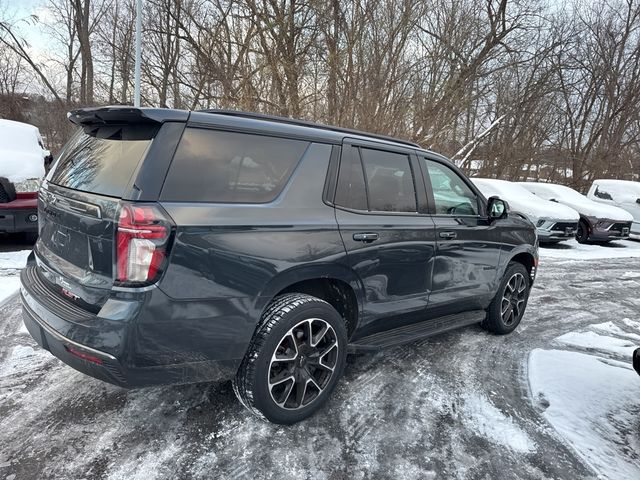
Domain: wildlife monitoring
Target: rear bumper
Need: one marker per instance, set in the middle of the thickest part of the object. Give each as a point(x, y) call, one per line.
point(105, 345)
point(106, 367)
point(14, 220)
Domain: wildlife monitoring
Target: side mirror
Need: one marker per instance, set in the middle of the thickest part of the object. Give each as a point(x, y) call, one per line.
point(497, 208)
point(638, 200)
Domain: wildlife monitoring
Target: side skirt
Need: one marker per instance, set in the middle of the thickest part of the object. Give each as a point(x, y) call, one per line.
point(416, 331)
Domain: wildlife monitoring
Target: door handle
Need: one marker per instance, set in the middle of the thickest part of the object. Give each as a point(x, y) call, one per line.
point(448, 235)
point(365, 237)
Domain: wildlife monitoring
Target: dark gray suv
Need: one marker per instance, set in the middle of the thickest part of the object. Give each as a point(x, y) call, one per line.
point(184, 246)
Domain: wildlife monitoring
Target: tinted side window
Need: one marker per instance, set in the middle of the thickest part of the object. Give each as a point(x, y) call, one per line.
point(451, 194)
point(351, 191)
point(389, 180)
point(216, 166)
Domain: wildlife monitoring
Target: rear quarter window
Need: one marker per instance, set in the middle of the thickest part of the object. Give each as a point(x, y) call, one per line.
point(230, 167)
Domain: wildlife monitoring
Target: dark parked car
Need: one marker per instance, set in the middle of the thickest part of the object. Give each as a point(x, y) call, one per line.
point(636, 360)
point(204, 246)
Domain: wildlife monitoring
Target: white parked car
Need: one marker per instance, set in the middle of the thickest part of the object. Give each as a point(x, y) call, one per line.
point(624, 194)
point(554, 222)
point(598, 222)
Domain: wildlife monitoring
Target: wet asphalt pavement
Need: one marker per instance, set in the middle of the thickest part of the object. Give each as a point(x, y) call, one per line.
point(453, 406)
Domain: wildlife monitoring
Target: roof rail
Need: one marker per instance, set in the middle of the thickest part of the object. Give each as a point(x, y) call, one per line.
point(304, 123)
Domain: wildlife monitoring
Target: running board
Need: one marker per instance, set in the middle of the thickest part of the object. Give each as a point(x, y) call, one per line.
point(416, 331)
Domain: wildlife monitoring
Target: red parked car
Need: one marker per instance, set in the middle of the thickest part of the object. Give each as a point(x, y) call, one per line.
point(18, 211)
point(22, 165)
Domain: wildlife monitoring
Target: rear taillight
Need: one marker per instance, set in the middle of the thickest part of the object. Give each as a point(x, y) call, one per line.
point(142, 239)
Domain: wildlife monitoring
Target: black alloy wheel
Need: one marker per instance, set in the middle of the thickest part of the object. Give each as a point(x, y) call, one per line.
point(303, 364)
point(510, 301)
point(295, 359)
point(514, 298)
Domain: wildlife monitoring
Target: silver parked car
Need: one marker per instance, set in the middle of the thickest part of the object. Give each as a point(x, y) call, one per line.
point(598, 222)
point(554, 222)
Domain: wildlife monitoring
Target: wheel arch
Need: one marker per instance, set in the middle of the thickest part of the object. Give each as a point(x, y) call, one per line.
point(529, 259)
point(336, 284)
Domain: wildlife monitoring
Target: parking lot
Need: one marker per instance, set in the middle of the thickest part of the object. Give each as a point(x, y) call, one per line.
point(556, 399)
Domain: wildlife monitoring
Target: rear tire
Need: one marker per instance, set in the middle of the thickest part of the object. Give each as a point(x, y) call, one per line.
point(294, 361)
point(582, 234)
point(508, 306)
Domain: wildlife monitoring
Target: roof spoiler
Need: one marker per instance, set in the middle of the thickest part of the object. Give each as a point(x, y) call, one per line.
point(122, 115)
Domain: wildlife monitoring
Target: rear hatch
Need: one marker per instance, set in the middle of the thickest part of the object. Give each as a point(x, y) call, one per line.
point(79, 205)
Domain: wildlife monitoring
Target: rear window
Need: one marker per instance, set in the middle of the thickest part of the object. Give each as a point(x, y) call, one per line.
point(229, 167)
point(101, 160)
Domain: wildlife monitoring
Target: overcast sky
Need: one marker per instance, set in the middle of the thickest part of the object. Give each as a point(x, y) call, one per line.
point(17, 10)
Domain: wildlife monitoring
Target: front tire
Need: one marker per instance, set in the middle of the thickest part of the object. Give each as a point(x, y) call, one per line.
point(294, 361)
point(582, 234)
point(508, 306)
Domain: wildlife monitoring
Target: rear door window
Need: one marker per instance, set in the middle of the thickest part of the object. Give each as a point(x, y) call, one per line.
point(101, 160)
point(230, 167)
point(389, 181)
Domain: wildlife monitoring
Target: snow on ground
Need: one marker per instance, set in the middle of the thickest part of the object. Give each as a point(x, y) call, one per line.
point(593, 402)
point(10, 265)
point(600, 343)
point(13, 260)
point(482, 416)
point(572, 250)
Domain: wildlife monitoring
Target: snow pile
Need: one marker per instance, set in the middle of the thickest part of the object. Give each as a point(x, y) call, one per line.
point(592, 396)
point(21, 153)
